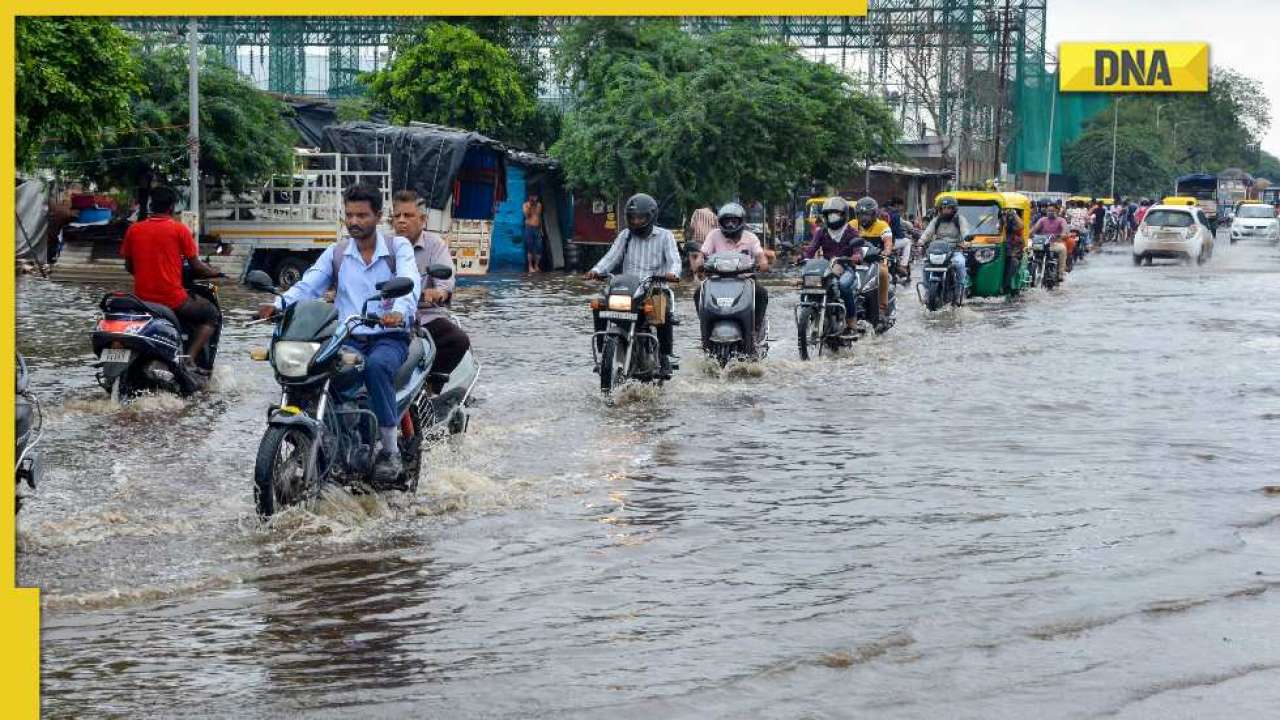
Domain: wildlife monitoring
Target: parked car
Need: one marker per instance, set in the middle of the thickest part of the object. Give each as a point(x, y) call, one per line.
point(1255, 220)
point(1179, 232)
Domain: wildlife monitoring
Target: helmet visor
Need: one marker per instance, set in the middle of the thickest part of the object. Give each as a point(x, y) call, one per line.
point(834, 218)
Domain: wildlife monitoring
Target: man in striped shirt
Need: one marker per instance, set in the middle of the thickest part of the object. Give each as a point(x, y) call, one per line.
point(644, 250)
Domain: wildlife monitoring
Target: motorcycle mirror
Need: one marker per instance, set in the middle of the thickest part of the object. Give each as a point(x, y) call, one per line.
point(394, 288)
point(440, 272)
point(259, 280)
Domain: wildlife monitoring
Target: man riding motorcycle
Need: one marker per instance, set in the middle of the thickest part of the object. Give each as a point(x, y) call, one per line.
point(645, 250)
point(731, 235)
point(838, 237)
point(1055, 226)
point(361, 263)
point(876, 232)
point(951, 226)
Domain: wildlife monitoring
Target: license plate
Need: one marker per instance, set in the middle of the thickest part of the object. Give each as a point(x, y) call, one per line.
point(115, 355)
point(467, 252)
point(616, 315)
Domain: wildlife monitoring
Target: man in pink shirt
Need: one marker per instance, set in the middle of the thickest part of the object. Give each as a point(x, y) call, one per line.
point(1055, 227)
point(732, 236)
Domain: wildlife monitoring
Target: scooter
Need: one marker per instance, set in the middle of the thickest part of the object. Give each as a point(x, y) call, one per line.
point(727, 310)
point(323, 430)
point(28, 427)
point(141, 346)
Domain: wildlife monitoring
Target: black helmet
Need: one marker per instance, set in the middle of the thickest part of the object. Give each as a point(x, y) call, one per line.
point(835, 213)
point(866, 207)
point(732, 219)
point(641, 212)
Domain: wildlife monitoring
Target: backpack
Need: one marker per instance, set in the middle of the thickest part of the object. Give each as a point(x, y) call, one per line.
point(340, 249)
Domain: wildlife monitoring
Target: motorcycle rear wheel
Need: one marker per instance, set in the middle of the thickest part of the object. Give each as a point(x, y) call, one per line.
point(279, 472)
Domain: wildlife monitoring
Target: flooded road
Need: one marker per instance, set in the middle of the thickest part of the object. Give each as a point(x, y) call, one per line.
point(1052, 507)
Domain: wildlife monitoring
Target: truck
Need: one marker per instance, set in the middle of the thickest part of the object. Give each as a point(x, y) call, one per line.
point(1204, 188)
point(284, 226)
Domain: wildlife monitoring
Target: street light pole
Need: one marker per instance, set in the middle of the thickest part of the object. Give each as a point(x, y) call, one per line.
point(1115, 128)
point(1158, 109)
point(193, 117)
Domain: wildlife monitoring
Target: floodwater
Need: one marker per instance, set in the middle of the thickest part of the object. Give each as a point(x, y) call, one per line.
point(1053, 507)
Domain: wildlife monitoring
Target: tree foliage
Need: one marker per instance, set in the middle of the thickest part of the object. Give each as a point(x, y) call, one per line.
point(702, 118)
point(447, 74)
point(74, 77)
point(243, 137)
point(1141, 169)
point(1196, 132)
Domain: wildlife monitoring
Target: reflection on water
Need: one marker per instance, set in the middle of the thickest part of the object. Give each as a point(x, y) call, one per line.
point(1048, 507)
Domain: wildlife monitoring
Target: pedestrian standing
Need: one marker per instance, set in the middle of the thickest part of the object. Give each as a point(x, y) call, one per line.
point(533, 232)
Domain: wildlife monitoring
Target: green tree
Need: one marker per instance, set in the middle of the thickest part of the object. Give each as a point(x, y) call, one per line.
point(1141, 169)
point(74, 77)
point(447, 74)
point(702, 118)
point(244, 139)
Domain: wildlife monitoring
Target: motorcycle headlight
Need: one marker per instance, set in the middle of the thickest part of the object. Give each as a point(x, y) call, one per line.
point(621, 303)
point(813, 281)
point(984, 255)
point(291, 358)
point(937, 258)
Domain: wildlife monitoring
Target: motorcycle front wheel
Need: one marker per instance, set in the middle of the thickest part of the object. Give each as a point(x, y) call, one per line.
point(804, 319)
point(610, 365)
point(280, 471)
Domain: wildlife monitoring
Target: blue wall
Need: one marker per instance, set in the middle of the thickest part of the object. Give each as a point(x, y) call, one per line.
point(506, 253)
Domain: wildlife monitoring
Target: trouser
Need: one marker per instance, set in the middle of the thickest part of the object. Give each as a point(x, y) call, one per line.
point(451, 344)
point(1060, 249)
point(1012, 265)
point(961, 268)
point(384, 353)
point(884, 289)
point(196, 311)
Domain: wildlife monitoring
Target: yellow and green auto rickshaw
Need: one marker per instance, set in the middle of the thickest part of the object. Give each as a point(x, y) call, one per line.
point(1179, 200)
point(988, 251)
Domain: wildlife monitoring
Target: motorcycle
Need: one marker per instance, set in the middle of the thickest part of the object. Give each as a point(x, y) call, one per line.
point(821, 315)
point(940, 284)
point(28, 427)
point(900, 261)
point(625, 344)
point(141, 346)
point(323, 430)
point(1044, 262)
point(727, 310)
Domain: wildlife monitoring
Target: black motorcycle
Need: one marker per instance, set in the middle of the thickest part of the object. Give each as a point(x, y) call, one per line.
point(727, 310)
point(141, 345)
point(1044, 262)
point(940, 284)
point(323, 430)
point(900, 261)
point(625, 344)
point(821, 315)
point(28, 427)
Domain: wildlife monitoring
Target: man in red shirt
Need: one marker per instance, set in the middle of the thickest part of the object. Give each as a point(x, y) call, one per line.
point(153, 252)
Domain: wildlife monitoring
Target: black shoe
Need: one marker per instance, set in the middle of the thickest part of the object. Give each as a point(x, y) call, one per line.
point(387, 469)
point(883, 325)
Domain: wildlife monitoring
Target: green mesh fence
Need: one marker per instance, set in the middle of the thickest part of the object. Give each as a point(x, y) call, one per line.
point(1035, 101)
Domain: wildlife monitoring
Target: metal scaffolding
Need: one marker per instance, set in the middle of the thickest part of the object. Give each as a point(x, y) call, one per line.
point(951, 69)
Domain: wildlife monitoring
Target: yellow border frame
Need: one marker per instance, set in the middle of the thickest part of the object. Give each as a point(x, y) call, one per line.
point(20, 607)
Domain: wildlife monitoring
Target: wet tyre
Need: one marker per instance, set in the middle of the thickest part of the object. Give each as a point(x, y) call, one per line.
point(933, 296)
point(1137, 260)
point(803, 320)
point(610, 365)
point(411, 452)
point(722, 353)
point(289, 271)
point(280, 470)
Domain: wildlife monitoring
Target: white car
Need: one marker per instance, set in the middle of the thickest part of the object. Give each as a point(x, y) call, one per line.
point(1255, 220)
point(1179, 232)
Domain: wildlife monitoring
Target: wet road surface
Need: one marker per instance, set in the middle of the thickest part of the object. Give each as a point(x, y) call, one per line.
point(1052, 507)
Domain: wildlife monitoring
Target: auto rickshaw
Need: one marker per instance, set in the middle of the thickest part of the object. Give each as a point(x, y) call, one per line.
point(1179, 200)
point(988, 251)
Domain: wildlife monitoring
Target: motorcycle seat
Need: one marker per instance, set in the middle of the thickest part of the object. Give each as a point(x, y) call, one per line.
point(132, 304)
point(411, 362)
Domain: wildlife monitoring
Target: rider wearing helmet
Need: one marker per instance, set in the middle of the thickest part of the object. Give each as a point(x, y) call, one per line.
point(731, 235)
point(836, 239)
point(875, 231)
point(645, 250)
point(951, 226)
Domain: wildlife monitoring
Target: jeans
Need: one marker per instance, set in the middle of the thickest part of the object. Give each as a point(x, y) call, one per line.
point(961, 268)
point(384, 353)
point(847, 293)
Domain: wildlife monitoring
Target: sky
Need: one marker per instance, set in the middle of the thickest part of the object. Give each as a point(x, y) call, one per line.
point(1242, 34)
